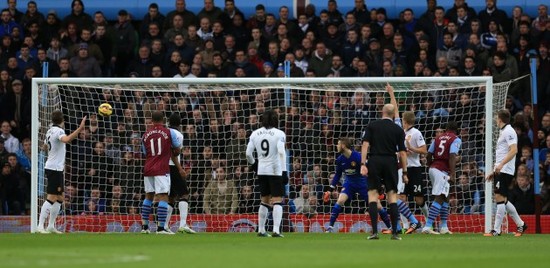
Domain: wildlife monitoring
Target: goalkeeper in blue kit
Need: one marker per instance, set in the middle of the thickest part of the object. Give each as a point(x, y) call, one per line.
point(349, 163)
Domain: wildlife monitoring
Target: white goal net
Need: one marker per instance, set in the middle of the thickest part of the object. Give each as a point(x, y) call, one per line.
point(103, 174)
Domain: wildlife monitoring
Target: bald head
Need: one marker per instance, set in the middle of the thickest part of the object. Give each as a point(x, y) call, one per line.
point(388, 111)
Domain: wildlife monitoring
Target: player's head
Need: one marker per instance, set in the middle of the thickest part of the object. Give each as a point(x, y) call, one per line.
point(157, 117)
point(175, 120)
point(409, 118)
point(452, 126)
point(270, 119)
point(388, 111)
point(344, 143)
point(503, 116)
point(57, 117)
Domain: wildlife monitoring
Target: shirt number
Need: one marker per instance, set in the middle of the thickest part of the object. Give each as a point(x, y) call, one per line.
point(441, 147)
point(153, 147)
point(265, 147)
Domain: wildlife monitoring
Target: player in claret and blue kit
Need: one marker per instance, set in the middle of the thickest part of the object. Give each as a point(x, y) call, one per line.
point(349, 163)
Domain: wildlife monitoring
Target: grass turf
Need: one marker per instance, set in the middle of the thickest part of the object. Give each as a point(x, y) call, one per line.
point(246, 250)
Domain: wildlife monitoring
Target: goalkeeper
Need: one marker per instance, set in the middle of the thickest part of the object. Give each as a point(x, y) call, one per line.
point(349, 162)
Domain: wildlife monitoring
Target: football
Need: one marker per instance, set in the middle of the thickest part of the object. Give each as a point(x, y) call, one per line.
point(105, 109)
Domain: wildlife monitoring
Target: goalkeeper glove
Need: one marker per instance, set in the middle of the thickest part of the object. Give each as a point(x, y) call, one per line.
point(285, 178)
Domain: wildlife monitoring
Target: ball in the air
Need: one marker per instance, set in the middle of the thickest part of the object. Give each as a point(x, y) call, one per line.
point(105, 109)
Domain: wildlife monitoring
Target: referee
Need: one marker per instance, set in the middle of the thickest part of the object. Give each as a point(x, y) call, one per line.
point(384, 138)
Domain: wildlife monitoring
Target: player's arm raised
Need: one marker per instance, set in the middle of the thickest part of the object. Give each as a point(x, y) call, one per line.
point(74, 135)
point(393, 101)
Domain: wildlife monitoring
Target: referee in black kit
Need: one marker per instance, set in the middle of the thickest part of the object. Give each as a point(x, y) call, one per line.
point(384, 138)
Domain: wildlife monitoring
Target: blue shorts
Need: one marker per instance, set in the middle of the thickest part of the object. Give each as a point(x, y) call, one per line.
point(351, 188)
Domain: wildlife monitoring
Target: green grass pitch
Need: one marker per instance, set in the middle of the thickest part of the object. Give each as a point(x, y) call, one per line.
point(227, 250)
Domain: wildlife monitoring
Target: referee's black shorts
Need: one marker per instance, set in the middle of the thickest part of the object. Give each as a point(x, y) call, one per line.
point(55, 182)
point(178, 185)
point(382, 171)
point(502, 183)
point(271, 185)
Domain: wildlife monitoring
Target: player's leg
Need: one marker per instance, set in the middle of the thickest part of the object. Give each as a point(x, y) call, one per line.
point(277, 193)
point(374, 183)
point(421, 203)
point(149, 185)
point(162, 189)
point(391, 191)
point(337, 208)
point(385, 217)
point(402, 197)
point(183, 206)
point(444, 215)
point(55, 198)
point(438, 179)
point(403, 202)
point(169, 212)
point(263, 211)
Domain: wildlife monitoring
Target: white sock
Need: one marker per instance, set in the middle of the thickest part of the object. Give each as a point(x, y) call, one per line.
point(501, 209)
point(168, 216)
point(262, 217)
point(514, 214)
point(405, 222)
point(277, 218)
point(183, 206)
point(54, 211)
point(425, 210)
point(44, 212)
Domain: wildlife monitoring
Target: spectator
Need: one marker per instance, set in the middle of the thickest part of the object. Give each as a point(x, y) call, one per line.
point(492, 12)
point(248, 200)
point(236, 148)
point(522, 195)
point(7, 25)
point(125, 44)
point(306, 202)
point(83, 65)
point(11, 143)
point(212, 12)
point(93, 49)
point(321, 60)
point(189, 17)
point(153, 16)
point(80, 18)
point(220, 196)
point(24, 155)
point(14, 12)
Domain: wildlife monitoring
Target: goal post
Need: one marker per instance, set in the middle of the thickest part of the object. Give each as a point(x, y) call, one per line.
point(78, 96)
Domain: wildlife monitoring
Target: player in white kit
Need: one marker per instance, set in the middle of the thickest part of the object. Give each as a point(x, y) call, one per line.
point(269, 143)
point(54, 145)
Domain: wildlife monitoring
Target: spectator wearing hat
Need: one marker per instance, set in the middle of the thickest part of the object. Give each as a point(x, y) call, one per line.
point(374, 57)
point(333, 39)
point(125, 43)
point(268, 69)
point(78, 16)
point(93, 49)
point(83, 65)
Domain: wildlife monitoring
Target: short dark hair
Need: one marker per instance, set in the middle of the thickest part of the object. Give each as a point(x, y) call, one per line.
point(452, 126)
point(504, 115)
point(174, 121)
point(346, 141)
point(157, 116)
point(57, 117)
point(270, 119)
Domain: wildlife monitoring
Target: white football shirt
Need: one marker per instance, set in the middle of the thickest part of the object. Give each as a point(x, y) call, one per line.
point(506, 138)
point(177, 138)
point(415, 140)
point(56, 149)
point(270, 146)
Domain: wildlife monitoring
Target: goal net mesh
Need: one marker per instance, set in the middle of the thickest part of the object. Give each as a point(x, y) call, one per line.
point(103, 174)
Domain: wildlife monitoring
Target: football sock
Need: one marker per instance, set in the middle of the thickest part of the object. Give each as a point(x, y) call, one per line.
point(373, 212)
point(406, 211)
point(262, 217)
point(183, 207)
point(514, 214)
point(162, 213)
point(168, 216)
point(44, 212)
point(434, 212)
point(54, 211)
point(444, 214)
point(277, 217)
point(394, 212)
point(334, 214)
point(146, 211)
point(501, 209)
point(384, 216)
